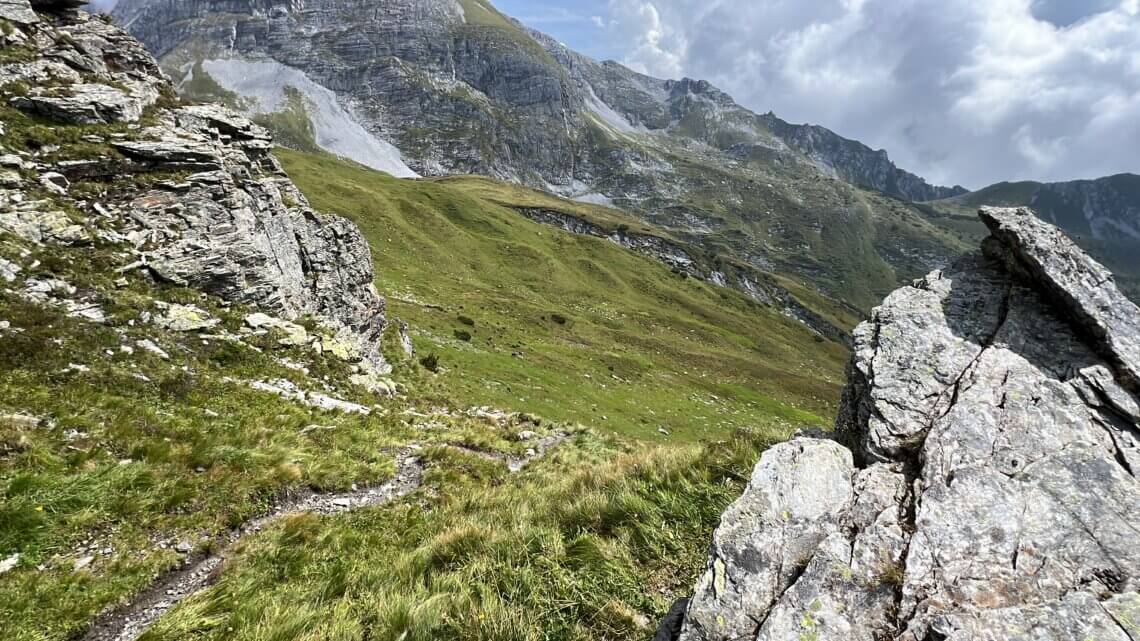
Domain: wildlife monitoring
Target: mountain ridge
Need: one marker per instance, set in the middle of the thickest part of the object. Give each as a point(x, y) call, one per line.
point(459, 88)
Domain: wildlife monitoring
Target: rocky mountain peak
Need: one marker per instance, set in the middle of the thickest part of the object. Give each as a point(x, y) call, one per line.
point(990, 485)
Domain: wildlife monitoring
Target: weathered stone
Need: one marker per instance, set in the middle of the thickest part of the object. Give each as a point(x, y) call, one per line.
point(8, 270)
point(44, 227)
point(90, 104)
point(1082, 289)
point(238, 228)
point(185, 318)
point(294, 334)
point(55, 182)
point(287, 390)
point(10, 179)
point(1002, 388)
point(794, 502)
point(18, 11)
point(172, 150)
point(10, 563)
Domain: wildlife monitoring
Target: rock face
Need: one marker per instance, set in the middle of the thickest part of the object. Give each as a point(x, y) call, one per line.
point(856, 163)
point(193, 196)
point(434, 87)
point(990, 490)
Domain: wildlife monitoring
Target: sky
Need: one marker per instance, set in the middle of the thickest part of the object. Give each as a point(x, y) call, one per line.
point(959, 91)
point(966, 92)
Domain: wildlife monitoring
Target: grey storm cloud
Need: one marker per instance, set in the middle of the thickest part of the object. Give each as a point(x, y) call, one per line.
point(960, 91)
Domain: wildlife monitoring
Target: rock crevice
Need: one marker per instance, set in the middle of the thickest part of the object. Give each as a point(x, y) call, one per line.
point(992, 423)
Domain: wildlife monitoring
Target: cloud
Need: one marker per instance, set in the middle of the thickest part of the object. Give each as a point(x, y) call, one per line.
point(958, 90)
point(102, 5)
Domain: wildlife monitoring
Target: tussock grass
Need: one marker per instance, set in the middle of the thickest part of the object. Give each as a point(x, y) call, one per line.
point(593, 543)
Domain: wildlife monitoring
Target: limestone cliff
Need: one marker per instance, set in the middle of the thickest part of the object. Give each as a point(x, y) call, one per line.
point(990, 489)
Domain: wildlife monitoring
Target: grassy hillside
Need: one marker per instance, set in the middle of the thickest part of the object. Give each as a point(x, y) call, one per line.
point(574, 328)
point(119, 463)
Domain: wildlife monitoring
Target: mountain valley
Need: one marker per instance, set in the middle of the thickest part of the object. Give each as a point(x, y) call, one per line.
point(400, 320)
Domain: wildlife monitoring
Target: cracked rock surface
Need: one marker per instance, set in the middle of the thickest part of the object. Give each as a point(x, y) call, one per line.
point(990, 490)
point(195, 197)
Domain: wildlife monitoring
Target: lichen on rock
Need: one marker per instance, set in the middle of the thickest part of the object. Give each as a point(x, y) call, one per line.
point(994, 434)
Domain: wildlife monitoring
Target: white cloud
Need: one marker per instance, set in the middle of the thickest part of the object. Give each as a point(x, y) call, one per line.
point(957, 90)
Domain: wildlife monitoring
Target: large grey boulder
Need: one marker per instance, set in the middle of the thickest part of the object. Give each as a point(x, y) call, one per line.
point(993, 409)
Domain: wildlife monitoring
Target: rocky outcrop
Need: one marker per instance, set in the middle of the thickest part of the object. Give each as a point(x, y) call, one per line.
point(1102, 216)
point(690, 262)
point(191, 193)
point(990, 485)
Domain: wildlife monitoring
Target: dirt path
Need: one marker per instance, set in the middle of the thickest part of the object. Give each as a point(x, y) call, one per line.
point(130, 621)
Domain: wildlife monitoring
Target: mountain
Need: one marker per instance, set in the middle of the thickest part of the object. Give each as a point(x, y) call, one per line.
point(1102, 216)
point(445, 87)
point(251, 393)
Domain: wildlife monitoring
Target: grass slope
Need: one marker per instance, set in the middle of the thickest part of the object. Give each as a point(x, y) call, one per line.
point(574, 328)
point(592, 544)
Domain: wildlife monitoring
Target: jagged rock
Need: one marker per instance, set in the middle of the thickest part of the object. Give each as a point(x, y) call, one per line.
point(1056, 265)
point(18, 11)
point(242, 231)
point(237, 228)
point(152, 347)
point(90, 104)
point(55, 182)
point(288, 390)
point(10, 179)
point(993, 410)
point(30, 222)
point(792, 504)
point(8, 270)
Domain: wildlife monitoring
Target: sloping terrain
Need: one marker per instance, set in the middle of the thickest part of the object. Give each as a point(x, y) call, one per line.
point(459, 88)
point(573, 327)
point(209, 427)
